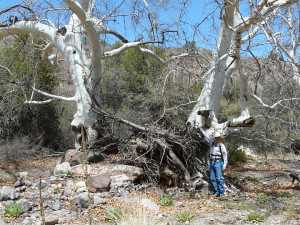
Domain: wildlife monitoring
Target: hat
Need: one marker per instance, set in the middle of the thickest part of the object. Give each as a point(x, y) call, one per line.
point(217, 134)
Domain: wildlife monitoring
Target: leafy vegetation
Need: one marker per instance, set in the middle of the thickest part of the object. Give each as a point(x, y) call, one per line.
point(184, 216)
point(13, 210)
point(114, 215)
point(39, 122)
point(166, 200)
point(255, 217)
point(56, 190)
point(284, 194)
point(262, 198)
point(70, 173)
point(235, 156)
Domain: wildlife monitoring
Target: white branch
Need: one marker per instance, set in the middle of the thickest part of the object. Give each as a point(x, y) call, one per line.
point(40, 102)
point(35, 27)
point(55, 96)
point(259, 100)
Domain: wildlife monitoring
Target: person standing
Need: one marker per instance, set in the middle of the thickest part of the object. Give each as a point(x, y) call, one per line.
point(218, 161)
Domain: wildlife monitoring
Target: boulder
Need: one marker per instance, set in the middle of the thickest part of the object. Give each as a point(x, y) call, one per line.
point(248, 152)
point(148, 203)
point(100, 182)
point(132, 172)
point(82, 200)
point(51, 220)
point(62, 168)
point(70, 156)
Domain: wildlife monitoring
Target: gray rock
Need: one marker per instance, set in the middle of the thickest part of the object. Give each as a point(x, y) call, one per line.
point(82, 200)
point(62, 169)
point(80, 186)
point(26, 221)
point(43, 185)
point(69, 184)
point(71, 156)
point(22, 174)
point(27, 183)
point(55, 205)
point(148, 203)
point(121, 180)
point(124, 192)
point(19, 183)
point(98, 200)
point(8, 192)
point(51, 220)
point(177, 203)
point(27, 206)
point(21, 189)
point(100, 182)
point(126, 199)
point(68, 192)
point(278, 205)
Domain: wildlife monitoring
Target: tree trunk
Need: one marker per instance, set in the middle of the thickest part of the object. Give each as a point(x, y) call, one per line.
point(225, 62)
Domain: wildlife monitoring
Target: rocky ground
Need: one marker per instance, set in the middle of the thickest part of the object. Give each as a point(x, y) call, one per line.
point(264, 189)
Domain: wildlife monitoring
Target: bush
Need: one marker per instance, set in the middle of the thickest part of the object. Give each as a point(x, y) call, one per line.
point(235, 156)
point(166, 200)
point(184, 216)
point(255, 217)
point(13, 210)
point(284, 194)
point(114, 215)
point(56, 190)
point(262, 199)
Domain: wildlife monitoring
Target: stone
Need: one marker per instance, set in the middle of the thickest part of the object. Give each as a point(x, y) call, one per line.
point(68, 192)
point(100, 182)
point(82, 200)
point(121, 180)
point(26, 221)
point(132, 172)
point(51, 220)
point(248, 152)
point(8, 192)
point(19, 183)
point(55, 206)
point(27, 206)
point(62, 169)
point(21, 189)
point(98, 200)
point(148, 203)
point(80, 186)
point(71, 156)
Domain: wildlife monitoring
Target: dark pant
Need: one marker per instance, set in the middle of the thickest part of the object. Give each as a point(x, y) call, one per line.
point(215, 169)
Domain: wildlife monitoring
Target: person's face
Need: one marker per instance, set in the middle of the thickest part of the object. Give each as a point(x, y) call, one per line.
point(217, 139)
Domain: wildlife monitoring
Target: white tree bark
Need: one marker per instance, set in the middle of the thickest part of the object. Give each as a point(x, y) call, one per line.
point(86, 73)
point(227, 60)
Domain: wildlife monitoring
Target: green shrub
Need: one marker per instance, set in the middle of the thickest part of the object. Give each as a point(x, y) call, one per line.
point(254, 179)
point(255, 217)
point(70, 174)
point(235, 156)
point(114, 215)
point(284, 194)
point(13, 210)
point(56, 190)
point(262, 199)
point(184, 216)
point(166, 200)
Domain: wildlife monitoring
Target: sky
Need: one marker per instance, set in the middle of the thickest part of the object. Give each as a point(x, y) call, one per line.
point(197, 12)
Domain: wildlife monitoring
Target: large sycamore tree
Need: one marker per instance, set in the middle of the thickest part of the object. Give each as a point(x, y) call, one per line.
point(83, 25)
point(236, 30)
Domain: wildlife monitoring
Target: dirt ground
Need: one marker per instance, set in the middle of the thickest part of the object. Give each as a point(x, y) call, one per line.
point(256, 179)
